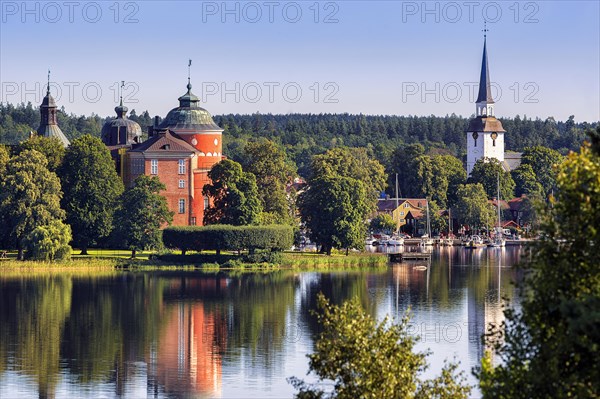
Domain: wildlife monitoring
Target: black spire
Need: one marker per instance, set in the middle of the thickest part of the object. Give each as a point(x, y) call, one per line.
point(485, 90)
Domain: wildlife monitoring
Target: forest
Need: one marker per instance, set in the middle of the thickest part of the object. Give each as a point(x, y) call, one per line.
point(305, 135)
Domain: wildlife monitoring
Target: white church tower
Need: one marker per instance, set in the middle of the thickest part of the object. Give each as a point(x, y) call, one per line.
point(485, 135)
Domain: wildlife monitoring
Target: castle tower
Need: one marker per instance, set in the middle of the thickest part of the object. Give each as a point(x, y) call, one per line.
point(485, 135)
point(49, 123)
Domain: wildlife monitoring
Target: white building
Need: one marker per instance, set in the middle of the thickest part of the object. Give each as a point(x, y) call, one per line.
point(485, 135)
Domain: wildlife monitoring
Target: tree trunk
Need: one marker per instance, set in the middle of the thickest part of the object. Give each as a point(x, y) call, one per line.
point(133, 252)
point(20, 254)
point(84, 250)
point(183, 251)
point(346, 251)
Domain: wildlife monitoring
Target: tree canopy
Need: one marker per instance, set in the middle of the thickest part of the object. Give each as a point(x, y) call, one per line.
point(91, 190)
point(143, 211)
point(372, 360)
point(51, 147)
point(29, 197)
point(486, 171)
point(233, 194)
point(551, 347)
point(543, 160)
point(472, 207)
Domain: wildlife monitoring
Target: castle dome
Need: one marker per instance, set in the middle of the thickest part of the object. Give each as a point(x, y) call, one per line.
point(121, 130)
point(189, 117)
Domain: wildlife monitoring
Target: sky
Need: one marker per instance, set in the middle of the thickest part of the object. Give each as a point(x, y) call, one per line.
point(370, 57)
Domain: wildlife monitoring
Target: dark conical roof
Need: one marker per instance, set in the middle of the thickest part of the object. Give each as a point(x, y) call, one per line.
point(485, 91)
point(189, 117)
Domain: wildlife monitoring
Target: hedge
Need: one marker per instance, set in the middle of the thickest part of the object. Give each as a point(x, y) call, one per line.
point(226, 237)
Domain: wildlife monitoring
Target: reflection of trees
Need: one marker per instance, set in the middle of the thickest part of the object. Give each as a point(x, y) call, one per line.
point(112, 322)
point(32, 318)
point(338, 288)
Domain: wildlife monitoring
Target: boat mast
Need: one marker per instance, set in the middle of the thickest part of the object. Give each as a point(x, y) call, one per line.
point(498, 206)
point(428, 224)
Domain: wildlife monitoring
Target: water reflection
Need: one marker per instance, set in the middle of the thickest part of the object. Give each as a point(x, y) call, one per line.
point(216, 335)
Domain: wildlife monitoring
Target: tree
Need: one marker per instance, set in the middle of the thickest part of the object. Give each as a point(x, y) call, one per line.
point(526, 181)
point(353, 163)
point(234, 195)
point(50, 242)
point(51, 147)
point(91, 190)
point(4, 157)
point(268, 163)
point(334, 209)
point(372, 360)
point(29, 197)
point(404, 163)
point(552, 346)
point(543, 161)
point(472, 207)
point(383, 223)
point(142, 213)
point(486, 172)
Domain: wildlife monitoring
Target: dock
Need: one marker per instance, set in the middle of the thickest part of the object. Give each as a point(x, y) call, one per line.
point(404, 256)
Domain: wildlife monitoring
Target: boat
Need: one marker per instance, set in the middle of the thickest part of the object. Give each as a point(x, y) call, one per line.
point(370, 241)
point(474, 242)
point(426, 239)
point(448, 242)
point(395, 241)
point(498, 240)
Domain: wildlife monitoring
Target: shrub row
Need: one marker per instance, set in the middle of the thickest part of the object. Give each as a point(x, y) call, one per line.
point(226, 237)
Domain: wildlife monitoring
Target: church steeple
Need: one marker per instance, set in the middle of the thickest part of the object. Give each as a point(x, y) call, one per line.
point(484, 101)
point(49, 122)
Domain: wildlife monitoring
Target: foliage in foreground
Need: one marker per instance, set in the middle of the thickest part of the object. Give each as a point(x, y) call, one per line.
point(366, 359)
point(551, 348)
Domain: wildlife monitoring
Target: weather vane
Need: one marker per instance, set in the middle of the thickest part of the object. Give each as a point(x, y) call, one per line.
point(48, 80)
point(189, 69)
point(122, 86)
point(485, 29)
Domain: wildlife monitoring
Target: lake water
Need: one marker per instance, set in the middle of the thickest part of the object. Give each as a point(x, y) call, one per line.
point(187, 334)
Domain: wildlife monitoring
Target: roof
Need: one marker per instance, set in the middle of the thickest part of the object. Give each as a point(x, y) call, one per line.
point(484, 123)
point(485, 91)
point(503, 204)
point(389, 204)
point(52, 130)
point(120, 130)
point(512, 160)
point(516, 204)
point(189, 117)
point(164, 142)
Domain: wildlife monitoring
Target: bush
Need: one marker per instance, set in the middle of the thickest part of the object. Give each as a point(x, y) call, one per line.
point(226, 237)
point(49, 242)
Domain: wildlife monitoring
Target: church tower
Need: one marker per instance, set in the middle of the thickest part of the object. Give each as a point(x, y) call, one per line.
point(485, 135)
point(49, 123)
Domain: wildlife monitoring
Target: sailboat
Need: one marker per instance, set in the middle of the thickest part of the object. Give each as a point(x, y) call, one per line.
point(498, 239)
point(426, 239)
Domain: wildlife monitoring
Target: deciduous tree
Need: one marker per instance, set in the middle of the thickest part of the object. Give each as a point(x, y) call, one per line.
point(472, 207)
point(543, 160)
point(29, 197)
point(91, 190)
point(367, 359)
point(526, 181)
point(51, 147)
point(234, 195)
point(382, 223)
point(551, 347)
point(486, 171)
point(143, 211)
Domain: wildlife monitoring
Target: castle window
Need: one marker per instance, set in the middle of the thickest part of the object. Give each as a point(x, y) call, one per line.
point(206, 205)
point(182, 166)
point(181, 206)
point(154, 167)
point(193, 221)
point(181, 183)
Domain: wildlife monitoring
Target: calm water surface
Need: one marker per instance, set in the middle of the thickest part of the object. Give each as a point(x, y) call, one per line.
point(189, 334)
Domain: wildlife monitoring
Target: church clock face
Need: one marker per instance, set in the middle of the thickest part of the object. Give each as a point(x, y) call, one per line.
point(494, 136)
point(475, 136)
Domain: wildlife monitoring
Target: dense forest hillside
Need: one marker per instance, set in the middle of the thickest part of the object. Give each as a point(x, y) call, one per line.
point(303, 135)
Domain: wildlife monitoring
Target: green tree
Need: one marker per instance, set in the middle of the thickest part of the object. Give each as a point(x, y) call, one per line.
point(543, 160)
point(50, 242)
point(142, 213)
point(29, 197)
point(472, 207)
point(486, 172)
point(526, 181)
point(404, 162)
point(454, 171)
point(334, 209)
point(383, 223)
point(234, 195)
point(372, 360)
point(51, 147)
point(268, 163)
point(354, 163)
point(91, 190)
point(439, 223)
point(551, 347)
point(4, 157)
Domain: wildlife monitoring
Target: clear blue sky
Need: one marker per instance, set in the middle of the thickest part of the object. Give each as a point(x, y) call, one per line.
point(348, 56)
